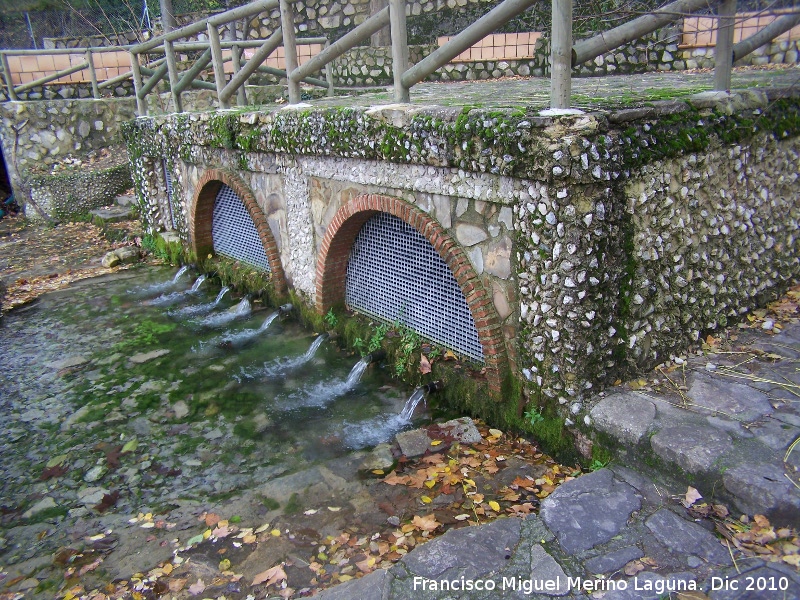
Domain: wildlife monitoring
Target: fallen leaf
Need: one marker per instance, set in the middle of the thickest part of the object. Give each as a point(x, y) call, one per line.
point(494, 506)
point(426, 523)
point(197, 587)
point(310, 511)
point(461, 517)
point(426, 499)
point(424, 365)
point(270, 576)
point(275, 533)
point(334, 508)
point(176, 585)
point(224, 564)
point(436, 442)
point(211, 519)
point(692, 496)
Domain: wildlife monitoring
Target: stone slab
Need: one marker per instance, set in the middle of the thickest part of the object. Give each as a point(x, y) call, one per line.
point(687, 538)
point(471, 551)
point(626, 416)
point(731, 400)
point(589, 510)
point(694, 448)
point(764, 489)
point(113, 214)
point(375, 586)
point(613, 561)
point(143, 357)
point(546, 574)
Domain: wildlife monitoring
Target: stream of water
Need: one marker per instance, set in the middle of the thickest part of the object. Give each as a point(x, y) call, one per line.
point(99, 364)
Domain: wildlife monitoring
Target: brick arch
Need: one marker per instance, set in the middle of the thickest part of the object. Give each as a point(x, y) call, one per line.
point(334, 254)
point(201, 219)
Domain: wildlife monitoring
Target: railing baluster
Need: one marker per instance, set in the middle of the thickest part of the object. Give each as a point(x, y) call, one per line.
point(397, 21)
point(7, 74)
point(92, 74)
point(290, 50)
point(174, 76)
point(219, 65)
point(561, 54)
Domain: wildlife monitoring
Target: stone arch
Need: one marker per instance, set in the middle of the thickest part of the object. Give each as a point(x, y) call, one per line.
point(335, 249)
point(202, 209)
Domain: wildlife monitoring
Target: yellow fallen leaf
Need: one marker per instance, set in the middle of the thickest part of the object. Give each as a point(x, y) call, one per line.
point(377, 472)
point(495, 432)
point(224, 564)
point(275, 533)
point(426, 500)
point(430, 483)
point(249, 539)
point(334, 508)
point(436, 442)
point(262, 529)
point(206, 533)
point(167, 568)
point(494, 506)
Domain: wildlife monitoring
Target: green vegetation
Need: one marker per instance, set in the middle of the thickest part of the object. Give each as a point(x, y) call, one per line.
point(293, 505)
point(171, 253)
point(145, 333)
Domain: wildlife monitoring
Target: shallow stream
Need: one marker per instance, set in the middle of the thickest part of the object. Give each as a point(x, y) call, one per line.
point(135, 384)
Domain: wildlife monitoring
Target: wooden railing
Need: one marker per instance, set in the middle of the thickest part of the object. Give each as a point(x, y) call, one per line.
point(147, 72)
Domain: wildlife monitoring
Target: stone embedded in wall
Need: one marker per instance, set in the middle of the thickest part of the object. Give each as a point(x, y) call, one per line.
point(498, 258)
point(469, 235)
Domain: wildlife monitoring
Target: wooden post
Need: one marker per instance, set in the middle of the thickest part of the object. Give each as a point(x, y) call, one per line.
point(219, 64)
point(329, 75)
point(723, 53)
point(92, 74)
point(174, 76)
point(7, 74)
point(141, 104)
point(289, 49)
point(561, 54)
point(397, 23)
point(241, 97)
point(381, 37)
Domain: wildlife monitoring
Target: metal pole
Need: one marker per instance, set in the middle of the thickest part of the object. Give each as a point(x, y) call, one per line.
point(397, 23)
point(219, 65)
point(30, 30)
point(7, 75)
point(723, 53)
point(561, 54)
point(92, 75)
point(613, 38)
point(496, 17)
point(342, 45)
point(136, 69)
point(770, 32)
point(290, 50)
point(174, 76)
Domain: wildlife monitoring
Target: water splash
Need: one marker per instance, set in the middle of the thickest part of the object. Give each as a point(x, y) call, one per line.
point(194, 310)
point(197, 283)
point(411, 404)
point(324, 392)
point(225, 289)
point(381, 428)
point(223, 318)
point(180, 273)
point(239, 337)
point(279, 366)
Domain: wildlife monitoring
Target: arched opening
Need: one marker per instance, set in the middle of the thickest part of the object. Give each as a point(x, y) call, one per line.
point(384, 257)
point(227, 220)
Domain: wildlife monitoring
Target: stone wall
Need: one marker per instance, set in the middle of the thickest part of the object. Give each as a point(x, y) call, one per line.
point(68, 195)
point(38, 135)
point(606, 241)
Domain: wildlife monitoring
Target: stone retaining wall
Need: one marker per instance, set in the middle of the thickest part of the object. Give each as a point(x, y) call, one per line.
point(607, 241)
point(68, 195)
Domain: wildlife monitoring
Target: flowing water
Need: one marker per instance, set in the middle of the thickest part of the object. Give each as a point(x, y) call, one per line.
point(192, 310)
point(95, 366)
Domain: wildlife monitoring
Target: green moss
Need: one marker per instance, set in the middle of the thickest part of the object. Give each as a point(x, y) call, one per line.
point(48, 514)
point(293, 505)
point(269, 503)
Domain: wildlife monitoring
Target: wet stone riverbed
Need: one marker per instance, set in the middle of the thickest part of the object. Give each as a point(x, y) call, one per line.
point(131, 394)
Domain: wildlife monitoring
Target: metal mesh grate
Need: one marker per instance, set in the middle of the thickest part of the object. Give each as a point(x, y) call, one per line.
point(234, 232)
point(394, 273)
point(168, 182)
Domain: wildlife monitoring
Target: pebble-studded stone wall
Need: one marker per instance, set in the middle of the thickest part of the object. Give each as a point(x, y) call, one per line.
point(68, 195)
point(607, 240)
point(38, 135)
